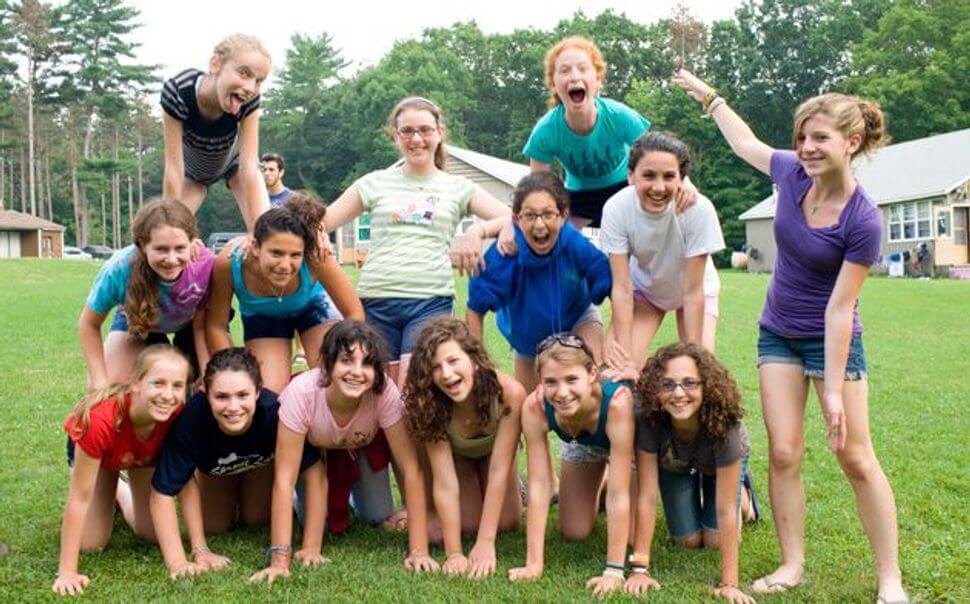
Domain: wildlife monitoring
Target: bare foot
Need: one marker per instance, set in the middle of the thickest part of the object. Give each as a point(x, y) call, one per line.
point(891, 591)
point(784, 579)
point(397, 523)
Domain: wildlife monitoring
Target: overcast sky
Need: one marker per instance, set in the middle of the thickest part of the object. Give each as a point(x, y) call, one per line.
point(181, 33)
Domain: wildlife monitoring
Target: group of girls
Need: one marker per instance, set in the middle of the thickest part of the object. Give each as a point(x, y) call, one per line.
point(394, 380)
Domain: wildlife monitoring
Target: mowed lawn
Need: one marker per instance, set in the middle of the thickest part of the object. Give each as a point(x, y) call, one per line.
point(918, 346)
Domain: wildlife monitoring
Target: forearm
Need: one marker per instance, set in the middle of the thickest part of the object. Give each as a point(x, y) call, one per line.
point(694, 316)
point(172, 182)
point(199, 339)
point(618, 523)
point(89, 338)
point(281, 522)
point(166, 523)
point(476, 326)
point(446, 504)
point(190, 500)
point(489, 229)
point(621, 300)
point(646, 522)
point(75, 513)
point(415, 503)
point(838, 335)
point(537, 514)
point(727, 523)
point(495, 490)
point(315, 508)
point(255, 202)
point(216, 336)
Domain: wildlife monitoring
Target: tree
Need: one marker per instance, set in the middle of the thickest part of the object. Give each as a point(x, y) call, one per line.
point(915, 64)
point(8, 74)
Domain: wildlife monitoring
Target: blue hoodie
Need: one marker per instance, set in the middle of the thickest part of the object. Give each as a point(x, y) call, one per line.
point(536, 296)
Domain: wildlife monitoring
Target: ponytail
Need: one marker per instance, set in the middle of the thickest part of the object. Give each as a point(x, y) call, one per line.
point(301, 215)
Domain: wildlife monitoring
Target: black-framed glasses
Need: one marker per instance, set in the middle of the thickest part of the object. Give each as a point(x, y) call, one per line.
point(564, 338)
point(423, 131)
point(688, 385)
point(547, 216)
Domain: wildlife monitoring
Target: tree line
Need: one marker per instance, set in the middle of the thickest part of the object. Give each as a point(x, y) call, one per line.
point(80, 132)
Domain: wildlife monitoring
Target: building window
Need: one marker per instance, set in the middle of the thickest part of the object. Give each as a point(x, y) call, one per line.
point(910, 221)
point(363, 228)
point(943, 223)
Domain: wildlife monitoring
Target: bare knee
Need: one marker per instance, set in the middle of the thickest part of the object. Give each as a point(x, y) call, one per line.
point(95, 545)
point(859, 466)
point(145, 531)
point(576, 530)
point(711, 539)
point(694, 541)
point(786, 457)
point(508, 521)
point(216, 525)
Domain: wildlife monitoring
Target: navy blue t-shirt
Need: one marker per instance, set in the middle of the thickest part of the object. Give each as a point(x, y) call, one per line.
point(195, 442)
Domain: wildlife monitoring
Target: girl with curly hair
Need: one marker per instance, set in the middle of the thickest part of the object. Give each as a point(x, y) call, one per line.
point(596, 422)
point(466, 414)
point(693, 448)
point(282, 285)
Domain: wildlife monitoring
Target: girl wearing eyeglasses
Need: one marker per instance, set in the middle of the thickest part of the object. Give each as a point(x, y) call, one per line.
point(595, 420)
point(415, 207)
point(693, 448)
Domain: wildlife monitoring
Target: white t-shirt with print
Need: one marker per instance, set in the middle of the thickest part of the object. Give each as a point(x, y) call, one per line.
point(658, 245)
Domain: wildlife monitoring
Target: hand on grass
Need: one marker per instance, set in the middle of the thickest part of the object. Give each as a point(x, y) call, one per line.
point(525, 573)
point(638, 584)
point(421, 563)
point(455, 564)
point(834, 411)
point(211, 561)
point(310, 558)
point(732, 594)
point(604, 585)
point(269, 574)
point(481, 560)
point(185, 570)
point(70, 584)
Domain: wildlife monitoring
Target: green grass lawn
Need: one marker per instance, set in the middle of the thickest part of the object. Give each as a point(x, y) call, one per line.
point(918, 347)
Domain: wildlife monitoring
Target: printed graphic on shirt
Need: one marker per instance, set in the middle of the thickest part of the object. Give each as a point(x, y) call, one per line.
point(236, 464)
point(419, 211)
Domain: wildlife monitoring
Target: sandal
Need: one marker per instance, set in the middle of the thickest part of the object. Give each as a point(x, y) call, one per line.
point(883, 600)
point(772, 586)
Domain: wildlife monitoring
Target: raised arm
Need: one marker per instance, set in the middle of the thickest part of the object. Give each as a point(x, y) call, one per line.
point(481, 559)
point(174, 161)
point(738, 134)
point(254, 198)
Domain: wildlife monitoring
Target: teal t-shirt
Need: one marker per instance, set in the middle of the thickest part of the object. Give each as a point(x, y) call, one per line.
point(592, 161)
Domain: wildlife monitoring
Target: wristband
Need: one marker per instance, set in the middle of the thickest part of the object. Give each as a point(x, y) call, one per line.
point(640, 570)
point(277, 549)
point(709, 98)
point(453, 555)
point(611, 571)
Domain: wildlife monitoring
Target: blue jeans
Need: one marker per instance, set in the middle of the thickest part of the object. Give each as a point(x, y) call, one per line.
point(400, 320)
point(809, 353)
point(690, 500)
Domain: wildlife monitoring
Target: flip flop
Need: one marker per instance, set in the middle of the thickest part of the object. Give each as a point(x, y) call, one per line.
point(773, 586)
point(754, 515)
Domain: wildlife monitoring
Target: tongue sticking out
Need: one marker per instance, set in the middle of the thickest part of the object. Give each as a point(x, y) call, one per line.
point(234, 104)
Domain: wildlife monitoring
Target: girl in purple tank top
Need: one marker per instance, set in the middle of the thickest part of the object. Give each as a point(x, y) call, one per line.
point(828, 233)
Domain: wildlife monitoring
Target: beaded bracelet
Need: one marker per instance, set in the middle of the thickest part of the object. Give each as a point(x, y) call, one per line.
point(277, 549)
point(709, 97)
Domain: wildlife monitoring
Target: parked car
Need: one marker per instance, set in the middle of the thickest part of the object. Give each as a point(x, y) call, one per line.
point(99, 252)
point(75, 253)
point(217, 241)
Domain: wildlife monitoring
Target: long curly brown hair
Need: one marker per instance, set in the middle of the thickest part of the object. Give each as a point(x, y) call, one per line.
point(721, 406)
point(428, 409)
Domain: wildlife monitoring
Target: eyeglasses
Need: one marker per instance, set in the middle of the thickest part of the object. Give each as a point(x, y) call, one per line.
point(688, 385)
point(423, 131)
point(566, 339)
point(547, 217)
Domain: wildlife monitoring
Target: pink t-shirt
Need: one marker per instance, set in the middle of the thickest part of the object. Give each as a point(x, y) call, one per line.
point(304, 409)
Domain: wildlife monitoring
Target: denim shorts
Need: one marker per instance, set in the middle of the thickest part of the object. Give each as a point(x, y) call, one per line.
point(400, 320)
point(183, 339)
point(809, 353)
point(319, 310)
point(576, 453)
point(591, 315)
point(690, 499)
